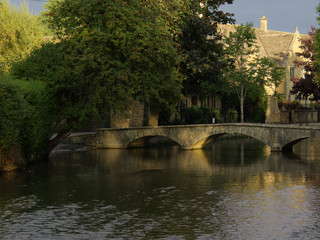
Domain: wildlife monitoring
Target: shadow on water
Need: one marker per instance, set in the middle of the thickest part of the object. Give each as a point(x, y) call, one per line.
point(233, 189)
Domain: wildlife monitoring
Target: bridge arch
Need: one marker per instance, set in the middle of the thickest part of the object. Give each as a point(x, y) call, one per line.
point(141, 141)
point(211, 137)
point(205, 141)
point(278, 137)
point(288, 146)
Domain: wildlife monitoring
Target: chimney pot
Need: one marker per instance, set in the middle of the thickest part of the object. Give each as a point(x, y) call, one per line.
point(263, 23)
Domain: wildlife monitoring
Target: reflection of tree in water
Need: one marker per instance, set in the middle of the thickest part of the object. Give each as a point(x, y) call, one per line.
point(308, 150)
point(165, 190)
point(239, 150)
point(229, 164)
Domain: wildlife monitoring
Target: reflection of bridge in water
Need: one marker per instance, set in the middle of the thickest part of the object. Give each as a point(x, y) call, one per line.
point(278, 136)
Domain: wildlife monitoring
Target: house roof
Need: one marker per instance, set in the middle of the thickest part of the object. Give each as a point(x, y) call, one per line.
point(273, 44)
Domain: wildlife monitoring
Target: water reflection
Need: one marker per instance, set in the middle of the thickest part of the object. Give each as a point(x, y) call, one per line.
point(235, 189)
point(308, 150)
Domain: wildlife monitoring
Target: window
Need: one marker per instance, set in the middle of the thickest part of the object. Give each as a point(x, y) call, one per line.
point(291, 72)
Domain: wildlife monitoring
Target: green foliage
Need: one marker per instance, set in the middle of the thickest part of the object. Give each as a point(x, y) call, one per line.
point(200, 115)
point(255, 106)
point(318, 9)
point(194, 115)
point(20, 32)
point(26, 118)
point(307, 87)
point(256, 110)
point(249, 73)
point(202, 50)
point(202, 61)
point(131, 55)
point(232, 116)
point(11, 112)
point(101, 62)
point(317, 51)
point(47, 66)
point(38, 120)
point(289, 105)
point(314, 105)
point(215, 113)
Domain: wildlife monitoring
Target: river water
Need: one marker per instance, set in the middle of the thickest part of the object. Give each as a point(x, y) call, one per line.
point(234, 189)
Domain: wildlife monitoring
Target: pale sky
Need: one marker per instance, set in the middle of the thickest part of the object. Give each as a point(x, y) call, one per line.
point(283, 15)
point(35, 6)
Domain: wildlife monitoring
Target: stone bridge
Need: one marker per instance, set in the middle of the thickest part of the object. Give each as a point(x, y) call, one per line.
point(278, 136)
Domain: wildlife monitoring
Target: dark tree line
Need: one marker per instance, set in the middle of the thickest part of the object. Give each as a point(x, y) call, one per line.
point(105, 54)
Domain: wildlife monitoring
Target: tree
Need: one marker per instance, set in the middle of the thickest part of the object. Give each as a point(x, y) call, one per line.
point(248, 71)
point(317, 44)
point(317, 48)
point(20, 32)
point(202, 49)
point(307, 87)
point(25, 123)
point(106, 54)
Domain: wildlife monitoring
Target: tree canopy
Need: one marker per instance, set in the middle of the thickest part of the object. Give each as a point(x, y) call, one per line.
point(307, 87)
point(127, 46)
point(317, 47)
point(248, 71)
point(20, 32)
point(202, 49)
point(106, 53)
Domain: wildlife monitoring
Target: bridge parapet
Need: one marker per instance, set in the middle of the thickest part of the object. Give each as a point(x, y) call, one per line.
point(278, 136)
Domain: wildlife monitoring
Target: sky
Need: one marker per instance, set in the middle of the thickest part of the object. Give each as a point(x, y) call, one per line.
point(283, 15)
point(35, 6)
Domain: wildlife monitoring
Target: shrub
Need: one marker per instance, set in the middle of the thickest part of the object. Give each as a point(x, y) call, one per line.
point(232, 116)
point(291, 105)
point(197, 115)
point(26, 121)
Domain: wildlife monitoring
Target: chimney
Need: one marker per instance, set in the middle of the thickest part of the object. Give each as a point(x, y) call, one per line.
point(263, 23)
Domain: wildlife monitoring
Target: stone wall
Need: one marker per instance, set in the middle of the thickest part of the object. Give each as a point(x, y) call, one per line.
point(132, 117)
point(153, 118)
point(135, 116)
point(304, 116)
point(297, 116)
point(273, 114)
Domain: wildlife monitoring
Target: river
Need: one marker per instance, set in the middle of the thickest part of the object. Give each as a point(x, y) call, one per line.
point(234, 189)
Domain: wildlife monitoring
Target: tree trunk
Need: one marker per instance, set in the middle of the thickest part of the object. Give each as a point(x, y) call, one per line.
point(241, 103)
point(146, 112)
point(57, 139)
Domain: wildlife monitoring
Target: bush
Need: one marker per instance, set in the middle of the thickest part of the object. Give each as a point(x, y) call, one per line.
point(198, 115)
point(26, 121)
point(289, 105)
point(11, 112)
point(232, 116)
point(314, 105)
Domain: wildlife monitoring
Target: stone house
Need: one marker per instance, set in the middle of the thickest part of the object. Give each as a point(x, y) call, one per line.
point(280, 47)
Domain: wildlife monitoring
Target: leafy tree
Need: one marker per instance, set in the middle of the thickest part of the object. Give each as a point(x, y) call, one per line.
point(202, 49)
point(307, 87)
point(317, 47)
point(248, 72)
point(106, 54)
point(20, 32)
